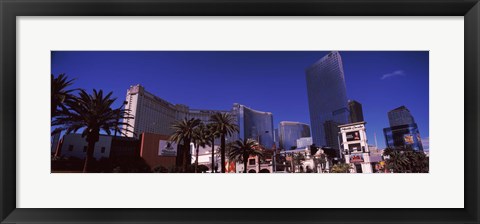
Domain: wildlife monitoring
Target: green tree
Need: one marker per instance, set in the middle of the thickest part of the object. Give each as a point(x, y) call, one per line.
point(90, 114)
point(225, 125)
point(200, 138)
point(60, 94)
point(388, 151)
point(183, 132)
point(341, 168)
point(240, 151)
point(418, 162)
point(398, 162)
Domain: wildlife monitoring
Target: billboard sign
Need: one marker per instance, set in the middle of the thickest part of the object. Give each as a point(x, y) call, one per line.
point(167, 148)
point(353, 136)
point(356, 158)
point(354, 147)
point(408, 138)
point(353, 127)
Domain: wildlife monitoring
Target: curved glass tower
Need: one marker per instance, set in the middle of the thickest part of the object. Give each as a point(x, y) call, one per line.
point(254, 124)
point(327, 98)
point(290, 131)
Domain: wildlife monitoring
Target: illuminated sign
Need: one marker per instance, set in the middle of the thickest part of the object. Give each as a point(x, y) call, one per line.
point(353, 136)
point(408, 138)
point(354, 127)
point(354, 147)
point(356, 158)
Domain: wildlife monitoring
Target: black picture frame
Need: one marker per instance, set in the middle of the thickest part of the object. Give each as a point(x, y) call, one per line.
point(10, 9)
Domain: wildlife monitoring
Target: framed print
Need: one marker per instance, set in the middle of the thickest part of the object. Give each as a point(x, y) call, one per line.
point(331, 111)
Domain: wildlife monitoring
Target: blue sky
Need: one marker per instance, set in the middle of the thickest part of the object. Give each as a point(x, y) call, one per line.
point(271, 81)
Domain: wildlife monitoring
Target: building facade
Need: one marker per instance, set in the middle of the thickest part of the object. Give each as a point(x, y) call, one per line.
point(403, 137)
point(356, 150)
point(290, 132)
point(153, 114)
point(74, 145)
point(327, 95)
point(304, 142)
point(356, 111)
point(403, 132)
point(157, 151)
point(400, 116)
point(254, 124)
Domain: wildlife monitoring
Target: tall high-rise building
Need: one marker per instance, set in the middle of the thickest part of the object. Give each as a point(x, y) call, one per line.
point(331, 134)
point(155, 115)
point(403, 133)
point(150, 113)
point(400, 116)
point(290, 132)
point(356, 111)
point(254, 124)
point(327, 95)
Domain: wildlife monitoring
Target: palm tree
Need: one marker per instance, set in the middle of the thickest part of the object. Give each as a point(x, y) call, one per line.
point(398, 162)
point(183, 132)
point(341, 168)
point(200, 138)
point(91, 114)
point(242, 150)
point(59, 93)
point(418, 162)
point(225, 125)
point(211, 134)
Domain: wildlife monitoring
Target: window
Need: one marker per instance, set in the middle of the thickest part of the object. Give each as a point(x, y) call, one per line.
point(70, 148)
point(84, 148)
point(103, 150)
point(251, 162)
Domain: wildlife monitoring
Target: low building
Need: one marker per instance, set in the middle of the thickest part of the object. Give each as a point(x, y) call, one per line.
point(205, 157)
point(74, 145)
point(156, 150)
point(355, 148)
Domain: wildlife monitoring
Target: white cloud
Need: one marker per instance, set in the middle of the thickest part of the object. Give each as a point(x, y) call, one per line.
point(392, 74)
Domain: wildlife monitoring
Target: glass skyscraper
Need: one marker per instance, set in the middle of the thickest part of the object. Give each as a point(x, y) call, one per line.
point(327, 96)
point(400, 116)
point(290, 132)
point(403, 132)
point(403, 137)
point(153, 114)
point(356, 111)
point(254, 124)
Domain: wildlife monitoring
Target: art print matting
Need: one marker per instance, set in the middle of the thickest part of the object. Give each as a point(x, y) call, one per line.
point(467, 99)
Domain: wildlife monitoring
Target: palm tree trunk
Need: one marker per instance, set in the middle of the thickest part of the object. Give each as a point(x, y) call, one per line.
point(213, 155)
point(222, 150)
point(245, 161)
point(196, 159)
point(186, 148)
point(89, 157)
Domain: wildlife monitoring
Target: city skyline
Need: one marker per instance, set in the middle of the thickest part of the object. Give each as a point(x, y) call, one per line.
point(267, 81)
